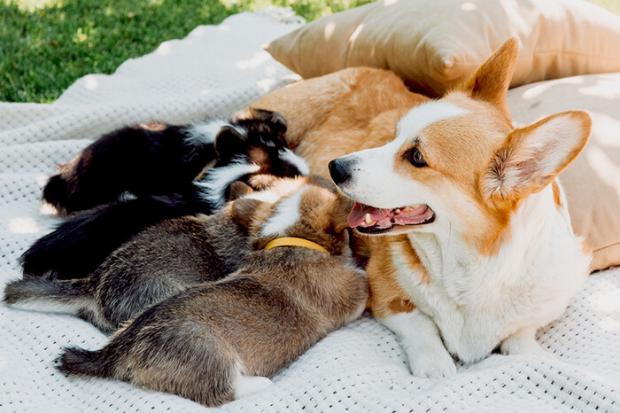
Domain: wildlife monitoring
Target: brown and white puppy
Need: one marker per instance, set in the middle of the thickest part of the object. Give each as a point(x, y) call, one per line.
point(484, 253)
point(218, 341)
point(155, 264)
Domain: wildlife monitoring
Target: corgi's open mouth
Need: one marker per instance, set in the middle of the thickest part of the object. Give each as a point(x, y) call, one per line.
point(371, 220)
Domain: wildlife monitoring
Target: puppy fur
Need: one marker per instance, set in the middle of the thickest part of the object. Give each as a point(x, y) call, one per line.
point(244, 148)
point(218, 341)
point(156, 263)
point(157, 158)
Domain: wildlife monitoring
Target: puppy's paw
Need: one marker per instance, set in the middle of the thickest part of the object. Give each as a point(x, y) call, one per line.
point(247, 385)
point(432, 364)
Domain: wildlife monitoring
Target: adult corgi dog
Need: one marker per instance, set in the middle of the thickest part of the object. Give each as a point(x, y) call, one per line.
point(475, 248)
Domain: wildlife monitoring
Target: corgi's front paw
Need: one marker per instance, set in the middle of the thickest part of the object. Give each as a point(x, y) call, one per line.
point(522, 342)
point(433, 364)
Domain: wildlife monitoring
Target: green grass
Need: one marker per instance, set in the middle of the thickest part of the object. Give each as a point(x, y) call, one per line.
point(612, 5)
point(46, 44)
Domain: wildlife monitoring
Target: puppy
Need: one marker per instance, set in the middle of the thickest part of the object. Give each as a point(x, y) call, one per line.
point(218, 341)
point(473, 244)
point(161, 159)
point(246, 149)
point(157, 263)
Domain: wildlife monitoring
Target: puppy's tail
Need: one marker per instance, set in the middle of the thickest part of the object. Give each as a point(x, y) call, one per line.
point(78, 361)
point(48, 295)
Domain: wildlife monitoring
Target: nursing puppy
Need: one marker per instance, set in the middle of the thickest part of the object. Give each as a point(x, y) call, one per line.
point(157, 263)
point(475, 246)
point(218, 341)
point(245, 149)
point(161, 159)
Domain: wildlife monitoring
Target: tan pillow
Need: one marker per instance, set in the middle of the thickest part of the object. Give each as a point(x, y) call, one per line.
point(434, 44)
point(592, 182)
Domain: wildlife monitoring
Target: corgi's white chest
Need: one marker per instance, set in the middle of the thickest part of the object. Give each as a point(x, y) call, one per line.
point(469, 331)
point(476, 302)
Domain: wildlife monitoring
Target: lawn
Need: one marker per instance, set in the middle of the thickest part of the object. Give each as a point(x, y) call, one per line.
point(46, 44)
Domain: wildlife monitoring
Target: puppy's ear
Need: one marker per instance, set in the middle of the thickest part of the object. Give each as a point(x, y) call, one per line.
point(238, 189)
point(491, 81)
point(531, 157)
point(341, 210)
point(274, 120)
point(244, 211)
point(230, 142)
point(56, 191)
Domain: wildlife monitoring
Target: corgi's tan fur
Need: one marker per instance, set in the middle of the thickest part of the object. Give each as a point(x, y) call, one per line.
point(339, 113)
point(479, 252)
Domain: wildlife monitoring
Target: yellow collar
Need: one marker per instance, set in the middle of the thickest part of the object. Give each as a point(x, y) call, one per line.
point(294, 242)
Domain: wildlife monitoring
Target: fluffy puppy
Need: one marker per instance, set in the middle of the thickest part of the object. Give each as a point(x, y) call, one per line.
point(157, 263)
point(246, 149)
point(216, 341)
point(160, 159)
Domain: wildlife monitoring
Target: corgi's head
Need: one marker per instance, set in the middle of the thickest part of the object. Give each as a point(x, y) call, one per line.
point(310, 208)
point(459, 160)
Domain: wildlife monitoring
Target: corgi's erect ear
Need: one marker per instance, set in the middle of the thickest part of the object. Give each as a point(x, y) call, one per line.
point(491, 81)
point(531, 157)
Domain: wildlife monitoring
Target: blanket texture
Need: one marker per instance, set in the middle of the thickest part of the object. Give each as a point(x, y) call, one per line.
point(361, 368)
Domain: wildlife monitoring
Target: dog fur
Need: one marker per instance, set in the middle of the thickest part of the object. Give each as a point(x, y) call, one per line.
point(486, 255)
point(156, 158)
point(246, 149)
point(218, 340)
point(339, 113)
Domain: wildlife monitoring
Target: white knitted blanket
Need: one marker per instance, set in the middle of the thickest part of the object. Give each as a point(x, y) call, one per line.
point(361, 368)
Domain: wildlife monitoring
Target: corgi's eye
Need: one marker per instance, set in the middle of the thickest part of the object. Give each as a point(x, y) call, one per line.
point(415, 157)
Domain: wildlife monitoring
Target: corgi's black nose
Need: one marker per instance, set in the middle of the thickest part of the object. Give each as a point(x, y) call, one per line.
point(340, 171)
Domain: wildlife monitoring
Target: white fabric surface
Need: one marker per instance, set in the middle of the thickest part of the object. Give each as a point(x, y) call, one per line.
point(360, 368)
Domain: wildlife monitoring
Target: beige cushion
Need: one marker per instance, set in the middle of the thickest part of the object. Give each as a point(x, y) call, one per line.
point(592, 182)
point(434, 44)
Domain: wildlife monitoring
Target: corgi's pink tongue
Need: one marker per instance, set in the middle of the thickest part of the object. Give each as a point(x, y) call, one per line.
point(366, 216)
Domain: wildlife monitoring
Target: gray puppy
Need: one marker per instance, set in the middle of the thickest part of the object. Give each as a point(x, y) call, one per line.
point(217, 341)
point(155, 264)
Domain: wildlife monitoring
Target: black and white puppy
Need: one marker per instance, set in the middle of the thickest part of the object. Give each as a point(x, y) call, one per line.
point(245, 149)
point(157, 159)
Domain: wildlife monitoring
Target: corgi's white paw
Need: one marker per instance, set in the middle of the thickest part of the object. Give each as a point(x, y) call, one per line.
point(432, 364)
point(522, 342)
point(247, 385)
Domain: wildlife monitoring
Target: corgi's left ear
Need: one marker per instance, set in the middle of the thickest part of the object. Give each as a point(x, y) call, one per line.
point(492, 79)
point(531, 157)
